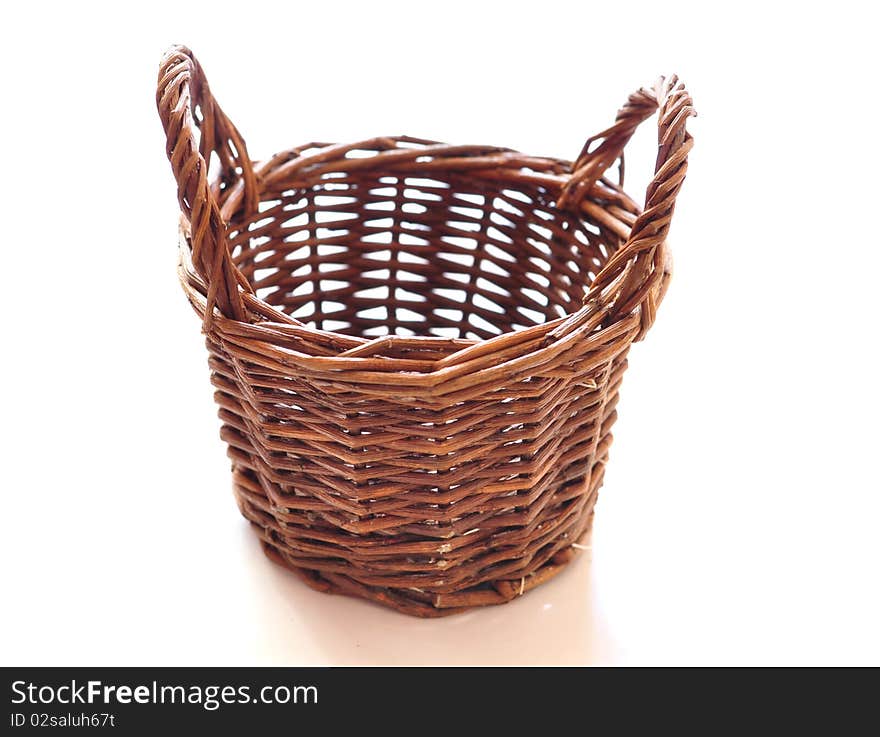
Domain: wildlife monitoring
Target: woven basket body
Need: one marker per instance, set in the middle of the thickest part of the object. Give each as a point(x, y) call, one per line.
point(417, 348)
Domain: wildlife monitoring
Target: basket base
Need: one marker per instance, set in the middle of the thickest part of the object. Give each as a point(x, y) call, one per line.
point(422, 604)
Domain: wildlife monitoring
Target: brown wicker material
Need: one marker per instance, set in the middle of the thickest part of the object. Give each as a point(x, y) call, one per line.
point(417, 347)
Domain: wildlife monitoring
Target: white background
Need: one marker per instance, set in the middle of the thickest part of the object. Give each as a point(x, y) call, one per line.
point(739, 519)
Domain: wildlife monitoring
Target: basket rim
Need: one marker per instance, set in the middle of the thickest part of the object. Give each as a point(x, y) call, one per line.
point(305, 165)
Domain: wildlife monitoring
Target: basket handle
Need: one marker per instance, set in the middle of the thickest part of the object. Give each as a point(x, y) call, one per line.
point(635, 273)
point(196, 128)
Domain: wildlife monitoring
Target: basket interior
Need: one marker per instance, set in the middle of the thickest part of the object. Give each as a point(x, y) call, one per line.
point(453, 256)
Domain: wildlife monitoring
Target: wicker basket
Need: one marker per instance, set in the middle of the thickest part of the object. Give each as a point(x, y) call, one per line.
point(417, 347)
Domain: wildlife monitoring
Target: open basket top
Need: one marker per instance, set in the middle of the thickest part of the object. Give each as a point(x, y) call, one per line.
point(406, 249)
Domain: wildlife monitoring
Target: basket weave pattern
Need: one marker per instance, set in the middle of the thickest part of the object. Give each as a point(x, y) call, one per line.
point(416, 347)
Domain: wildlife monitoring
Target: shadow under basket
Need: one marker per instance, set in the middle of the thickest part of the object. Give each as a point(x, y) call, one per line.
point(417, 347)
